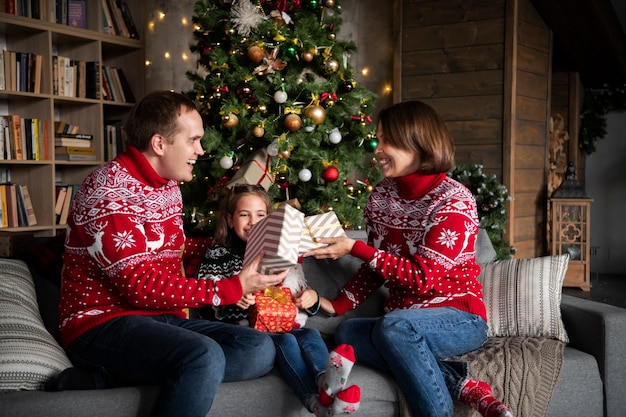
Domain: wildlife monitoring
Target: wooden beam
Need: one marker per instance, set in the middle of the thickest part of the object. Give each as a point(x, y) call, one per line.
point(588, 38)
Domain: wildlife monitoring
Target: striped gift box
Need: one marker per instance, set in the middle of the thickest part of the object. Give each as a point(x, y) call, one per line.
point(278, 236)
point(320, 225)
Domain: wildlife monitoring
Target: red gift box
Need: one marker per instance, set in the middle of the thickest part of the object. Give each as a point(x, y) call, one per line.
point(274, 310)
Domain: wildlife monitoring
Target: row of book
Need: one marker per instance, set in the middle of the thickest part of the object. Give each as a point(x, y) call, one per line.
point(114, 139)
point(23, 138)
point(115, 86)
point(16, 206)
point(75, 78)
point(117, 19)
point(20, 71)
point(64, 12)
point(64, 196)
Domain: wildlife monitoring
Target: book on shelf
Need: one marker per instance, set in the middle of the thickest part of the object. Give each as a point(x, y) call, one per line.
point(128, 19)
point(23, 196)
point(64, 201)
point(4, 218)
point(77, 13)
point(79, 143)
point(16, 206)
point(115, 85)
point(107, 19)
point(118, 19)
point(3, 85)
point(12, 210)
point(78, 150)
point(61, 127)
point(61, 191)
point(16, 137)
point(75, 157)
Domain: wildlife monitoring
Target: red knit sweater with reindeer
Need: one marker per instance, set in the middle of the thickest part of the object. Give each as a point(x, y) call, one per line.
point(123, 250)
point(421, 234)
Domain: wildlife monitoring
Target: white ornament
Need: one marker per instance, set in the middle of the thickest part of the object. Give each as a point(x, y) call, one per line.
point(305, 175)
point(309, 129)
point(280, 96)
point(335, 136)
point(272, 149)
point(226, 162)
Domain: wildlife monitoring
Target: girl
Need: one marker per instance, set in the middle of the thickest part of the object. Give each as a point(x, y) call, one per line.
point(421, 228)
point(317, 376)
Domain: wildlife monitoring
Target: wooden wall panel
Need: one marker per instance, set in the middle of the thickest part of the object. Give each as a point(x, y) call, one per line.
point(485, 67)
point(453, 84)
point(453, 35)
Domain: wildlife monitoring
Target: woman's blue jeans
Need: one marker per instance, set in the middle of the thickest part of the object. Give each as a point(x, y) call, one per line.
point(301, 358)
point(412, 345)
point(188, 358)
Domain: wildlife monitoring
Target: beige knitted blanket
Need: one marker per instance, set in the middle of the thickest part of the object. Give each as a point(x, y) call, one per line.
point(521, 370)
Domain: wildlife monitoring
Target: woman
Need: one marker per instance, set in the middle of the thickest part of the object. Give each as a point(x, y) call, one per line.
point(421, 227)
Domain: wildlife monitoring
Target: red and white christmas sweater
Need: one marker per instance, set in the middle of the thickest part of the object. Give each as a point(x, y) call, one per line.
point(123, 250)
point(421, 235)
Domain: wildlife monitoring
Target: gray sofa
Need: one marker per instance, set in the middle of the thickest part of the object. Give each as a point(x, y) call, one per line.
point(590, 383)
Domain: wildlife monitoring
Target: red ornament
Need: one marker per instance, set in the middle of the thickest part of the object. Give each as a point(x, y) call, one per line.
point(330, 174)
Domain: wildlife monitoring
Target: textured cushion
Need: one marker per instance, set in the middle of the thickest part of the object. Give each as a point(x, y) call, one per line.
point(29, 355)
point(523, 296)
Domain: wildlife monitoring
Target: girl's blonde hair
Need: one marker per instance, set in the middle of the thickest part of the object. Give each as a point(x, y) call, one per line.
point(223, 233)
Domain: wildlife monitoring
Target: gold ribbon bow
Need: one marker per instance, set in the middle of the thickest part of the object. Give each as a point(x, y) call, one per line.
point(276, 294)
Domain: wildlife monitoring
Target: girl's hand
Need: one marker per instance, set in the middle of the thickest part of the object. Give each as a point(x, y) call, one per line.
point(246, 301)
point(337, 247)
point(327, 307)
point(306, 299)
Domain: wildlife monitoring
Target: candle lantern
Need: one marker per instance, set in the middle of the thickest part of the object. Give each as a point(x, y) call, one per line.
point(570, 208)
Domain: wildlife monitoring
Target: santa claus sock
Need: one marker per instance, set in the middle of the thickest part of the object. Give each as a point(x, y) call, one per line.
point(479, 396)
point(346, 401)
point(338, 367)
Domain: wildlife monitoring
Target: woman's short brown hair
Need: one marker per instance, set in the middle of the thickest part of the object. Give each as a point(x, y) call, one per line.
point(416, 126)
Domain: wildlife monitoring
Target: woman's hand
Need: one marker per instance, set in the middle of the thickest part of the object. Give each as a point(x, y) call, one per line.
point(251, 280)
point(337, 247)
point(246, 301)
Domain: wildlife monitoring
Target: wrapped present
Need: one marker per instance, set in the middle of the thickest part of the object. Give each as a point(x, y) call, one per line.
point(278, 237)
point(274, 310)
point(320, 225)
point(255, 170)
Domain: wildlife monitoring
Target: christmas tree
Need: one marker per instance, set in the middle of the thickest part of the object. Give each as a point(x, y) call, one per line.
point(282, 109)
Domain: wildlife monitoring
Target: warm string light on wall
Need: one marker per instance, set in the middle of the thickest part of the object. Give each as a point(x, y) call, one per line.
point(161, 19)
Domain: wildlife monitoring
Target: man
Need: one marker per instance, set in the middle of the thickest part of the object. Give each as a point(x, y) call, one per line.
point(123, 296)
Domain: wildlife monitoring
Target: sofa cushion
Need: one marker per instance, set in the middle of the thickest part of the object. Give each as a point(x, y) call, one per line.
point(523, 296)
point(30, 355)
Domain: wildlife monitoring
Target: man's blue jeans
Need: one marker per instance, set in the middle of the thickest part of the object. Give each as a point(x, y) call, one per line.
point(188, 358)
point(301, 358)
point(412, 345)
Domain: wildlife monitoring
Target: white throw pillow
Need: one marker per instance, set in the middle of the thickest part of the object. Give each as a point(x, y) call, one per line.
point(29, 355)
point(523, 296)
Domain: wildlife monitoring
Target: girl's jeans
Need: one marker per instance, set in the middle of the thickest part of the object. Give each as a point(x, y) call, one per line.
point(412, 345)
point(301, 358)
point(188, 358)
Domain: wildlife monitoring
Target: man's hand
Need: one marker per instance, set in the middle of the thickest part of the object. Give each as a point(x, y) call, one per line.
point(252, 281)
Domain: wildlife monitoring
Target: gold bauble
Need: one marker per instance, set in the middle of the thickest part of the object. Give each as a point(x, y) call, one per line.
point(307, 56)
point(332, 36)
point(293, 122)
point(256, 54)
point(316, 113)
point(284, 154)
point(332, 65)
point(329, 3)
point(230, 120)
point(258, 131)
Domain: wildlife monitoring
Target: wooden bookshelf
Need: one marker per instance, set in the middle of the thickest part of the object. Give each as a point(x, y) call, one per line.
point(91, 44)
